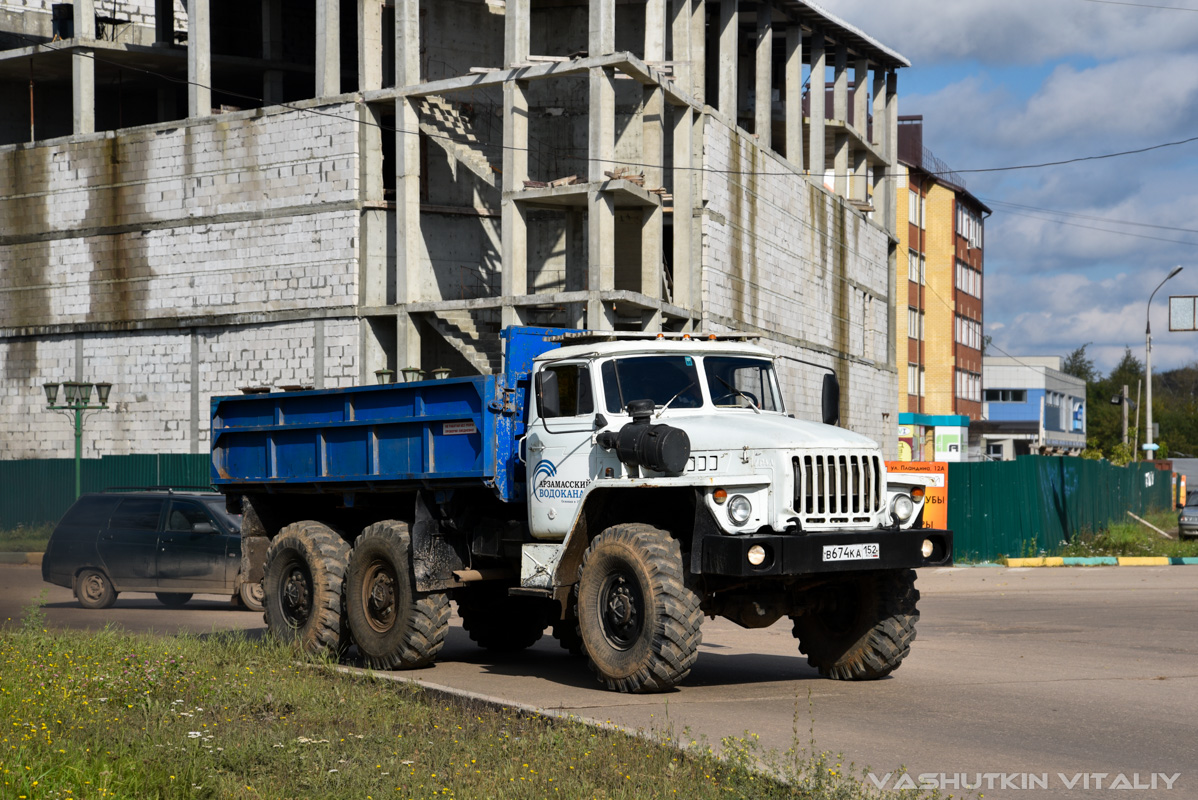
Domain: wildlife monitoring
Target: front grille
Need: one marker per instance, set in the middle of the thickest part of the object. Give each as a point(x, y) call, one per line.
point(837, 488)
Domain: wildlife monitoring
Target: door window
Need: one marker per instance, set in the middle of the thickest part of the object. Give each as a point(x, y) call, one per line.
point(566, 391)
point(185, 516)
point(137, 514)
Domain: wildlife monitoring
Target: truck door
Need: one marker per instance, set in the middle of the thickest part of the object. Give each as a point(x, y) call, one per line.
point(194, 553)
point(558, 448)
point(127, 546)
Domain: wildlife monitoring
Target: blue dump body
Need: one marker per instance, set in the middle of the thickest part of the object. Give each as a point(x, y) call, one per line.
point(453, 432)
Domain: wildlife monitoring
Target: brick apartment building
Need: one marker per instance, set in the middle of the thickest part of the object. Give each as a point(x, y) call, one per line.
point(940, 300)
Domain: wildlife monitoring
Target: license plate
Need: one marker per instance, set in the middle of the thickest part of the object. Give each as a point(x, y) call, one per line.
point(851, 552)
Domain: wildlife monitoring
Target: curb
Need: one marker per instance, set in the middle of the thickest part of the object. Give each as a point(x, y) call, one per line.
point(1101, 561)
point(21, 558)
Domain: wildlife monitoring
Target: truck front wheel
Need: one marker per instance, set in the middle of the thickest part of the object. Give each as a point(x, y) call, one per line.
point(860, 627)
point(394, 626)
point(305, 568)
point(640, 623)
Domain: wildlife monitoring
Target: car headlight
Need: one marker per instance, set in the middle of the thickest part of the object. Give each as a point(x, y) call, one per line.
point(739, 509)
point(902, 507)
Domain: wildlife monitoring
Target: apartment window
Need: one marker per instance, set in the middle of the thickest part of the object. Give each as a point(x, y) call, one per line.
point(969, 226)
point(969, 386)
point(915, 379)
point(915, 267)
point(969, 333)
point(969, 280)
point(915, 208)
point(1006, 395)
point(914, 323)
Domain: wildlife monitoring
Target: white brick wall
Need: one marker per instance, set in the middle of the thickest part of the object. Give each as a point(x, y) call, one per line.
point(151, 402)
point(781, 255)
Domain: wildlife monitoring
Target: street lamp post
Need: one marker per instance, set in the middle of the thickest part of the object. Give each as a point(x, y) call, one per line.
point(77, 398)
point(1148, 445)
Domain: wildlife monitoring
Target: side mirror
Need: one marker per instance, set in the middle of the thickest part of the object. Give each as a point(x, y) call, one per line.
point(203, 527)
point(548, 398)
point(831, 399)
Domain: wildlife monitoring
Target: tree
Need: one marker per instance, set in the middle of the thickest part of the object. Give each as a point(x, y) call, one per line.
point(1077, 365)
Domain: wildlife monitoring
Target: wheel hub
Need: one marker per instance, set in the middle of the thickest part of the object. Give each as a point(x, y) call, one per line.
point(379, 599)
point(621, 611)
point(297, 597)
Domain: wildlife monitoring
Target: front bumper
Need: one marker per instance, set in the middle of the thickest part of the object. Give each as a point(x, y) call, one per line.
point(803, 554)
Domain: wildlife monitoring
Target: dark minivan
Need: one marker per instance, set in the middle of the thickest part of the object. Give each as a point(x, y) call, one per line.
point(172, 543)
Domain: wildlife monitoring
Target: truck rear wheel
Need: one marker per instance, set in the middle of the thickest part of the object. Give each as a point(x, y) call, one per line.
point(302, 583)
point(862, 627)
point(394, 626)
point(640, 623)
point(497, 621)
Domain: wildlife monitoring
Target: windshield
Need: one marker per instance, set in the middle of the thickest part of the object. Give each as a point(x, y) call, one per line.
point(662, 379)
point(741, 382)
point(1192, 498)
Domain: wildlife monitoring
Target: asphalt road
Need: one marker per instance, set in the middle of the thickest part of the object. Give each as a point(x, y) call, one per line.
point(1017, 676)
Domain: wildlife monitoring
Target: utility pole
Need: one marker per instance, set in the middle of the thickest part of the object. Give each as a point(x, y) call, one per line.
point(1124, 404)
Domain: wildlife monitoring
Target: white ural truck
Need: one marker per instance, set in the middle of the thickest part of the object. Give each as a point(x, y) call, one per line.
point(615, 488)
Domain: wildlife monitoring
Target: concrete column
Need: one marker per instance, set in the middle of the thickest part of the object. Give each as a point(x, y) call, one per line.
point(763, 91)
point(272, 50)
point(655, 30)
point(601, 210)
point(164, 22)
point(516, 32)
point(199, 59)
point(409, 271)
point(729, 57)
point(840, 113)
point(680, 51)
point(83, 70)
point(653, 143)
point(370, 45)
point(576, 268)
point(699, 50)
point(819, 78)
point(603, 27)
point(328, 47)
point(685, 281)
point(793, 80)
point(407, 42)
point(882, 199)
point(892, 150)
point(861, 97)
point(514, 221)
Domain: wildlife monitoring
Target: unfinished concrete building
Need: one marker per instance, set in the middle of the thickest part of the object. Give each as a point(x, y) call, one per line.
point(202, 196)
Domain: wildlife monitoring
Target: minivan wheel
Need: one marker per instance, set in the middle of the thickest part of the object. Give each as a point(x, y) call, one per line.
point(251, 595)
point(94, 590)
point(173, 599)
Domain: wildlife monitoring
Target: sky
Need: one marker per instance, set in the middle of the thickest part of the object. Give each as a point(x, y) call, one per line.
point(1072, 252)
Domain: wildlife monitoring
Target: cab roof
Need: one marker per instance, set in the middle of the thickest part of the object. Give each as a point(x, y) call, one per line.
point(646, 346)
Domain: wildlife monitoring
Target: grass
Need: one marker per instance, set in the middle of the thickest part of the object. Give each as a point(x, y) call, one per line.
point(110, 714)
point(1132, 538)
point(23, 539)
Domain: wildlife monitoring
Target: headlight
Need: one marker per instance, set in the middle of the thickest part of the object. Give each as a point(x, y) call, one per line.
point(739, 509)
point(901, 507)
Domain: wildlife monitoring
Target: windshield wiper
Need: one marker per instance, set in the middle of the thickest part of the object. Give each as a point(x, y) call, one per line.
point(739, 393)
point(672, 399)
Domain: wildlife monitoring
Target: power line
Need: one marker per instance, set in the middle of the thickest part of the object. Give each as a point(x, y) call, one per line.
point(1089, 217)
point(1105, 230)
point(1140, 5)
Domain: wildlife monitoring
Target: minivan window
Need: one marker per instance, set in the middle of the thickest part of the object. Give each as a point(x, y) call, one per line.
point(138, 514)
point(90, 511)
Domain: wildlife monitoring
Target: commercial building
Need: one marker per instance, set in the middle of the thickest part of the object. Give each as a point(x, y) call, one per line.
point(1030, 407)
point(939, 299)
point(201, 197)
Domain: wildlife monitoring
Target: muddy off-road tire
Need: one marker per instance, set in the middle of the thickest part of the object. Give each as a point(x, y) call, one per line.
point(496, 621)
point(302, 584)
point(173, 599)
point(640, 623)
point(863, 627)
point(394, 626)
point(94, 590)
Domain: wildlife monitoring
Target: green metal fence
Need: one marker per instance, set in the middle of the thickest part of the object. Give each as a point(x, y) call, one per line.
point(39, 491)
point(1037, 503)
